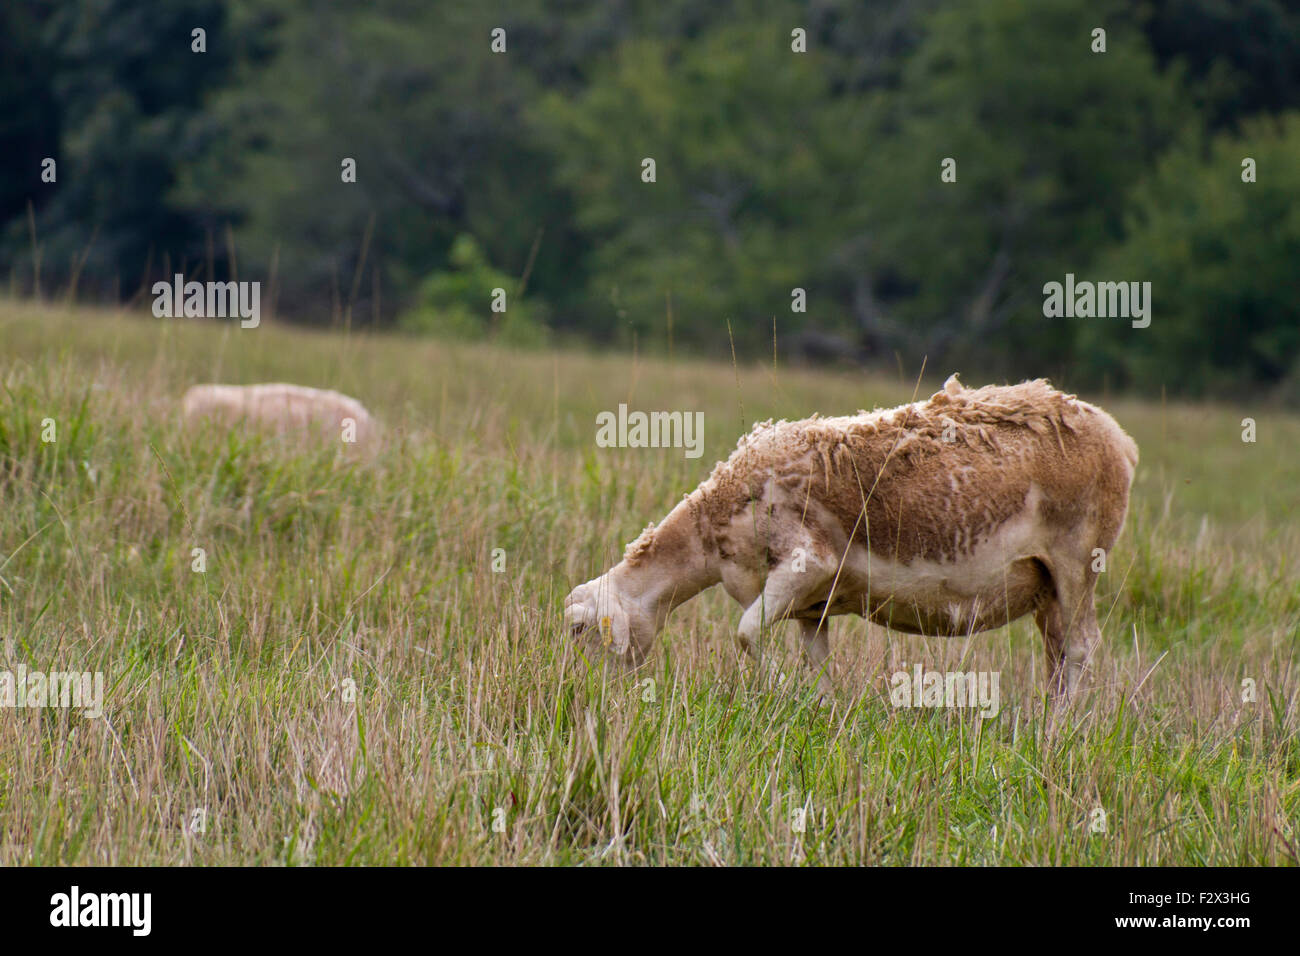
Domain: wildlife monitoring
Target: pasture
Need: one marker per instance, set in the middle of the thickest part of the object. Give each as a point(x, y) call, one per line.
point(371, 668)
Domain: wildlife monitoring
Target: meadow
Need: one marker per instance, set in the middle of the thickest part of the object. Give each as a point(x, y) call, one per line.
point(351, 678)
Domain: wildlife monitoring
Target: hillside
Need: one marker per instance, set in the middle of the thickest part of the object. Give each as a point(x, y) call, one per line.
point(225, 689)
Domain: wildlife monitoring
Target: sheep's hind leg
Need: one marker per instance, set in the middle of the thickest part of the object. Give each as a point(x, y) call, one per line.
point(1068, 621)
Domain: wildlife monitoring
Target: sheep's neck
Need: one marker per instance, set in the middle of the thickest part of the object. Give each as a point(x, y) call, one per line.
point(677, 568)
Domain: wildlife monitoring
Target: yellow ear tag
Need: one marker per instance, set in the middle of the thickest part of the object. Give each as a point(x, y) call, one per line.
point(607, 630)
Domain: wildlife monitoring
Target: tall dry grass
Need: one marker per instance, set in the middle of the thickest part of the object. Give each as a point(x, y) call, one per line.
point(227, 737)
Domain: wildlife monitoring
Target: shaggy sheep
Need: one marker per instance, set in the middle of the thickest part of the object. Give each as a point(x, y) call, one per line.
point(943, 517)
point(282, 408)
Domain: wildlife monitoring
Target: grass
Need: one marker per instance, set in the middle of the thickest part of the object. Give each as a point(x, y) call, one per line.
point(229, 735)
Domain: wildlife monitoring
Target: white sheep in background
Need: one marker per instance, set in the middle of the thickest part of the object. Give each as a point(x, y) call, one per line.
point(943, 517)
point(282, 408)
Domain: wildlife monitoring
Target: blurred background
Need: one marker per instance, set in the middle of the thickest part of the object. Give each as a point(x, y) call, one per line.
point(775, 170)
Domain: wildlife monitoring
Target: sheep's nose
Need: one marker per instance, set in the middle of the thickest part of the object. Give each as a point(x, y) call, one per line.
point(575, 618)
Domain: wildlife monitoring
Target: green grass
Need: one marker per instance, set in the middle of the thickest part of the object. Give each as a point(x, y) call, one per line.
point(225, 689)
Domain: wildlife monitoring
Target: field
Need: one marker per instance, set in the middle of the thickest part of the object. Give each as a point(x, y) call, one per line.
point(349, 680)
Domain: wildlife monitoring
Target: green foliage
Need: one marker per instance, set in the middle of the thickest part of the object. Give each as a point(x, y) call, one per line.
point(775, 170)
point(432, 120)
point(29, 118)
point(737, 215)
point(1221, 256)
point(1048, 139)
point(125, 94)
point(1242, 58)
point(457, 303)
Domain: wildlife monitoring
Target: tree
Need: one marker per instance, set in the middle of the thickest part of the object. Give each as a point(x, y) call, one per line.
point(1048, 138)
point(1242, 57)
point(752, 160)
point(29, 118)
point(431, 116)
point(1220, 254)
point(126, 92)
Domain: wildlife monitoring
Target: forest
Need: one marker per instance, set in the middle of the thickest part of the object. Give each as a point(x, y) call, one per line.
point(859, 183)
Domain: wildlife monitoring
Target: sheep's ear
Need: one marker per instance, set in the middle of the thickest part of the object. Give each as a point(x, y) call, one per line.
point(952, 386)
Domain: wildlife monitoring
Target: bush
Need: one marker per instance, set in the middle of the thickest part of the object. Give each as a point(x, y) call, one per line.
point(457, 304)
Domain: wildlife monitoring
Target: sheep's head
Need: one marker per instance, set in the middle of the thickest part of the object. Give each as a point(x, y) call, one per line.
point(609, 617)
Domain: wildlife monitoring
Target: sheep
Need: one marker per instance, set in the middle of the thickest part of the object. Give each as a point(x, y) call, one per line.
point(944, 517)
point(282, 408)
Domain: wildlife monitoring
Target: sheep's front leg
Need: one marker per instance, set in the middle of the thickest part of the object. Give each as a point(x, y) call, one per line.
point(816, 649)
point(783, 593)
